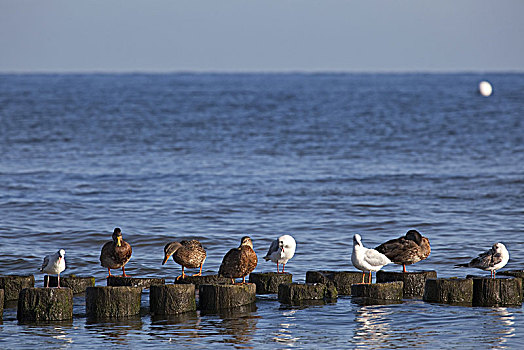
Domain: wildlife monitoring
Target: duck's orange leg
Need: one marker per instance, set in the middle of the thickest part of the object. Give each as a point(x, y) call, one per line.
point(200, 273)
point(124, 271)
point(182, 276)
point(109, 271)
point(404, 268)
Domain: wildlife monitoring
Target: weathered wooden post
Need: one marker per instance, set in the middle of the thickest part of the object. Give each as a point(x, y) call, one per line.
point(213, 297)
point(268, 282)
point(379, 291)
point(497, 291)
point(112, 302)
point(13, 285)
point(119, 281)
point(171, 299)
point(207, 279)
point(341, 279)
point(294, 293)
point(414, 282)
point(45, 304)
point(1, 303)
point(449, 290)
point(77, 284)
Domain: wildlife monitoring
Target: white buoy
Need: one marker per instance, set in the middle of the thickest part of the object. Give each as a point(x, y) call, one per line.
point(485, 88)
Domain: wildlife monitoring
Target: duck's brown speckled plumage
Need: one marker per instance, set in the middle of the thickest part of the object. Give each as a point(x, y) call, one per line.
point(239, 262)
point(190, 254)
point(406, 250)
point(115, 255)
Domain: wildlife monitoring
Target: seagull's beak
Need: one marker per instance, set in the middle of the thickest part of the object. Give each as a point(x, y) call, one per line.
point(166, 258)
point(119, 241)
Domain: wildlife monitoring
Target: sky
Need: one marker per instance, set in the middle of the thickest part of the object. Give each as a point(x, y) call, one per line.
point(261, 36)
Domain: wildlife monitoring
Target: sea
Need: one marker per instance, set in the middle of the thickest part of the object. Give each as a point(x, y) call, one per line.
point(215, 157)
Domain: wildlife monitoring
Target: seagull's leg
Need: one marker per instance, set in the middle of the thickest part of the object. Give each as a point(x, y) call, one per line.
point(47, 284)
point(283, 267)
point(58, 280)
point(369, 276)
point(363, 275)
point(124, 271)
point(277, 268)
point(404, 267)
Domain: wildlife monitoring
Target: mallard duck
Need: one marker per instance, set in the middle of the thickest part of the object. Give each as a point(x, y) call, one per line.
point(188, 254)
point(54, 264)
point(366, 259)
point(239, 262)
point(281, 250)
point(406, 250)
point(494, 259)
point(116, 254)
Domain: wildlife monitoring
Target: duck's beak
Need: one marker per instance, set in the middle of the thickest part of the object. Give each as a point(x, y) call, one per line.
point(166, 258)
point(119, 241)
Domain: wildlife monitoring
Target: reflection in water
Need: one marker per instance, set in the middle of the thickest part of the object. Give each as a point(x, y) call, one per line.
point(186, 324)
point(500, 326)
point(116, 331)
point(372, 325)
point(236, 325)
point(284, 334)
point(57, 333)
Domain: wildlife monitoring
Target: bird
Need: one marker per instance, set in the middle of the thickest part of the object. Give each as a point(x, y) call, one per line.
point(366, 259)
point(239, 262)
point(53, 264)
point(406, 250)
point(115, 254)
point(281, 251)
point(188, 254)
point(494, 259)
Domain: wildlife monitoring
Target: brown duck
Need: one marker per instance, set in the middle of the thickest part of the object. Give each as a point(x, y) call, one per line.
point(406, 250)
point(115, 254)
point(188, 254)
point(239, 262)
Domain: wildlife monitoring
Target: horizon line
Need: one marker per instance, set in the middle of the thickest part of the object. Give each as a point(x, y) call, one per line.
point(268, 72)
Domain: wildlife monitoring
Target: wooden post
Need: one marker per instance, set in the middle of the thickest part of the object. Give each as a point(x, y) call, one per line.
point(119, 281)
point(379, 291)
point(199, 280)
point(341, 279)
point(294, 293)
point(497, 291)
point(414, 282)
point(13, 285)
point(45, 304)
point(449, 290)
point(77, 284)
point(171, 299)
point(112, 302)
point(512, 273)
point(213, 297)
point(1, 303)
point(268, 282)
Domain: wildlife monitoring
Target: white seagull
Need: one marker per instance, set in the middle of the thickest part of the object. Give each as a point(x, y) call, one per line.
point(495, 258)
point(366, 259)
point(54, 264)
point(281, 250)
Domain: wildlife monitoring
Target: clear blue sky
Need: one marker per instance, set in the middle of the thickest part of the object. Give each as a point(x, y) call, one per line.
point(268, 35)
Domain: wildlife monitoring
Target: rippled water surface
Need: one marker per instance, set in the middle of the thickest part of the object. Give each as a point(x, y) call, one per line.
point(216, 157)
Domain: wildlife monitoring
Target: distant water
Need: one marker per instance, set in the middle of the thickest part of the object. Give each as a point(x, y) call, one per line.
point(219, 156)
